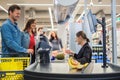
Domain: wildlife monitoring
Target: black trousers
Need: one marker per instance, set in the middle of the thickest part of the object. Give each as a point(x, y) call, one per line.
point(32, 58)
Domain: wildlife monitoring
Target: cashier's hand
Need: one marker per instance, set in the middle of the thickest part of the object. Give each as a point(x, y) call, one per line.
point(30, 51)
point(69, 52)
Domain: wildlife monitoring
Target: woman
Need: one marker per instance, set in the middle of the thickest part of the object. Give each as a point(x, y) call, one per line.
point(29, 37)
point(85, 53)
point(55, 41)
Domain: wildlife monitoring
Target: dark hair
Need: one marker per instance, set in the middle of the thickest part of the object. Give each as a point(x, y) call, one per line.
point(52, 38)
point(12, 8)
point(40, 28)
point(83, 35)
point(28, 24)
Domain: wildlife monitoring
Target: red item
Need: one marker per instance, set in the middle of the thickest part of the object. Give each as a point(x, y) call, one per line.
point(32, 42)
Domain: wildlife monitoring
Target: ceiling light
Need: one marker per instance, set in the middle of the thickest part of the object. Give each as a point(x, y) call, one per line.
point(32, 4)
point(111, 24)
point(51, 18)
point(106, 5)
point(110, 18)
point(3, 9)
point(80, 16)
point(91, 3)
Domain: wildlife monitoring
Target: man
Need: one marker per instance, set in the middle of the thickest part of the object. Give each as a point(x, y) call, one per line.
point(11, 35)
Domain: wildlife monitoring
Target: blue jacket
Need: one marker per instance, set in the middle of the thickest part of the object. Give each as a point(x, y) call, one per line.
point(11, 38)
point(25, 39)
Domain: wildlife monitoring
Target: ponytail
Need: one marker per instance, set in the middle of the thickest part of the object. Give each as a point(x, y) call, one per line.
point(87, 40)
point(83, 35)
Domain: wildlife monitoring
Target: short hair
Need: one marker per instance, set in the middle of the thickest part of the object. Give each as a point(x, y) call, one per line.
point(12, 8)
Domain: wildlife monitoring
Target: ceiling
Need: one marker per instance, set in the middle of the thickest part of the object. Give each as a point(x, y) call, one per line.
point(40, 7)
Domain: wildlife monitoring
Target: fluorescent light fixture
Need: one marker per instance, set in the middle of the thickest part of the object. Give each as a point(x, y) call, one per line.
point(110, 18)
point(3, 9)
point(76, 10)
point(91, 3)
point(102, 5)
point(111, 24)
point(51, 18)
point(97, 5)
point(80, 16)
point(52, 29)
point(31, 4)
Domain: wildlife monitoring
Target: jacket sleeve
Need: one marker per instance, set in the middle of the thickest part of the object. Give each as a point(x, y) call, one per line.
point(86, 58)
point(9, 41)
point(25, 40)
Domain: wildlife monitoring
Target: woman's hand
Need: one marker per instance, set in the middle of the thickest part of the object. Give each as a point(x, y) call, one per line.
point(70, 52)
point(54, 53)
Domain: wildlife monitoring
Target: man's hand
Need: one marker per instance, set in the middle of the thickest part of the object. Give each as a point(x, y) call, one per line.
point(30, 51)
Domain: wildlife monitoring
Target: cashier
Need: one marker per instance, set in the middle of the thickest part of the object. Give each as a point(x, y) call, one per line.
point(85, 53)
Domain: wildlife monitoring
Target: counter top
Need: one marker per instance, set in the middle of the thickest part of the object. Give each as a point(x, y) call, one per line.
point(62, 71)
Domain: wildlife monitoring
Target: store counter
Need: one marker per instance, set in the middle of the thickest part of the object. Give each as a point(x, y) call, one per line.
point(61, 71)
